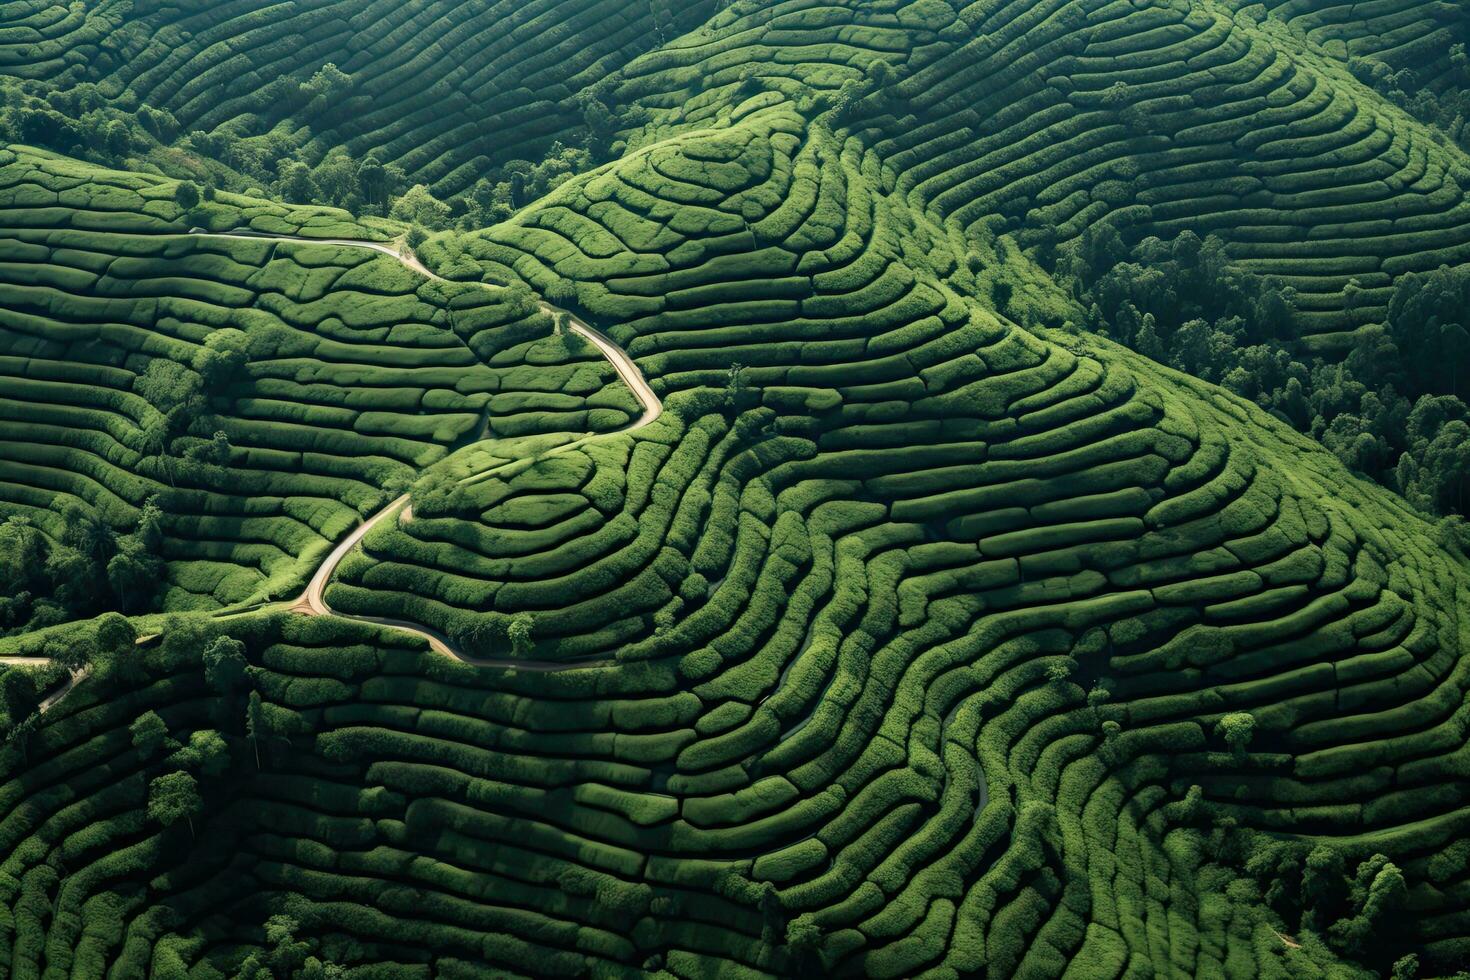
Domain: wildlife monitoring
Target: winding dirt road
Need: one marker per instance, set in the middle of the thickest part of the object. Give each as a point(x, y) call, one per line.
point(313, 602)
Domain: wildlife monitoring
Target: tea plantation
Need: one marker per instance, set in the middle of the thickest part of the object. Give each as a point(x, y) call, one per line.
point(903, 625)
point(260, 394)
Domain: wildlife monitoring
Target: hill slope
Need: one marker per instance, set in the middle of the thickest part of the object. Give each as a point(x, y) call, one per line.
point(340, 374)
point(918, 636)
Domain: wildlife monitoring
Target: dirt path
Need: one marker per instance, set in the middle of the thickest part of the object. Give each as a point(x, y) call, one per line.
point(312, 602)
point(51, 700)
point(72, 680)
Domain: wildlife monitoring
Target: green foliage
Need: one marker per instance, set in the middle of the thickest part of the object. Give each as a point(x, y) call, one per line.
point(788, 682)
point(174, 797)
point(150, 733)
point(519, 633)
point(417, 206)
point(207, 753)
point(1237, 730)
point(1166, 302)
point(187, 195)
point(225, 664)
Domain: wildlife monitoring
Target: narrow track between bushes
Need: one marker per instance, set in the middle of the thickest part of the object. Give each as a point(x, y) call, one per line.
point(312, 602)
point(51, 700)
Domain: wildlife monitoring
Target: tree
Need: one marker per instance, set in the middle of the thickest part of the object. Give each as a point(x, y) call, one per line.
point(174, 797)
point(115, 635)
point(315, 969)
point(1237, 728)
point(19, 734)
point(207, 752)
point(418, 206)
point(561, 292)
point(220, 359)
point(295, 182)
point(215, 452)
point(803, 932)
point(117, 138)
point(1405, 967)
point(154, 439)
point(1147, 341)
point(84, 530)
point(663, 19)
point(773, 914)
point(735, 385)
point(256, 726)
point(181, 639)
point(1059, 671)
point(73, 654)
point(337, 179)
point(160, 122)
point(1196, 347)
point(22, 554)
point(133, 574)
point(1378, 896)
point(596, 116)
point(373, 180)
point(73, 578)
point(484, 635)
point(804, 939)
point(1387, 891)
point(328, 88)
point(225, 665)
point(1424, 322)
point(150, 733)
point(1324, 887)
point(1435, 475)
point(187, 195)
point(148, 529)
point(882, 75)
point(849, 96)
point(286, 951)
point(519, 631)
point(489, 202)
point(168, 385)
point(251, 968)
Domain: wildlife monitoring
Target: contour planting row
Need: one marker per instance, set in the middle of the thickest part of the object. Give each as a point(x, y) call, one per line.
point(647, 782)
point(1402, 33)
point(1156, 117)
point(445, 89)
point(344, 374)
point(870, 588)
point(1058, 114)
point(898, 646)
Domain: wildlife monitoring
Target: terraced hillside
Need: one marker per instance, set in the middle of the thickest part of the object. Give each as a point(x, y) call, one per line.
point(261, 394)
point(1157, 117)
point(916, 634)
point(442, 88)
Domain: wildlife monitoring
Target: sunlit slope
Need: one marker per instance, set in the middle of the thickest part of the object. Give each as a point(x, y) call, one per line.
point(352, 373)
point(1047, 118)
point(892, 569)
point(1040, 118)
point(902, 644)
